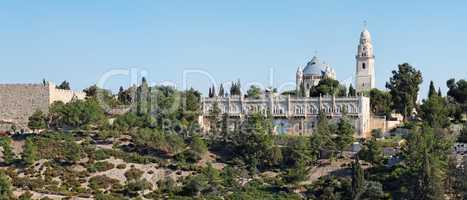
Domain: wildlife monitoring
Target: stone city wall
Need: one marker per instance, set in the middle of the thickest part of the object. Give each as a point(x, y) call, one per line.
point(19, 101)
point(63, 95)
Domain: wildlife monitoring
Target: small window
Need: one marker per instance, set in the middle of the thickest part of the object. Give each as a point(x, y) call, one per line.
point(363, 66)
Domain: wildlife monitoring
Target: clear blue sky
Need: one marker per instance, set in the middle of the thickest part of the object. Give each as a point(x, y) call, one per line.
point(80, 40)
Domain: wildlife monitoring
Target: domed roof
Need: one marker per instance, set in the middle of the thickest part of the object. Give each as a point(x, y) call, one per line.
point(314, 67)
point(365, 35)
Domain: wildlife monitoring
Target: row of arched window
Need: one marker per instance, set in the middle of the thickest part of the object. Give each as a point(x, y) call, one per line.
point(298, 109)
point(349, 108)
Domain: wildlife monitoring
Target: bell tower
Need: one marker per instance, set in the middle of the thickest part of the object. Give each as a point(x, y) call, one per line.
point(365, 65)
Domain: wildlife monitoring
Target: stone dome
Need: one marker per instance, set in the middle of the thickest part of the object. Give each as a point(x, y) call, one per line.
point(365, 35)
point(315, 67)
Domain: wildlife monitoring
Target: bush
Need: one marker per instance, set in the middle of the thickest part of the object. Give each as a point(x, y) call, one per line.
point(121, 166)
point(101, 182)
point(101, 154)
point(100, 167)
point(133, 187)
point(25, 196)
point(133, 174)
point(58, 146)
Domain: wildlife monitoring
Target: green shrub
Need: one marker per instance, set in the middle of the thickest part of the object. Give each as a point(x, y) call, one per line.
point(133, 174)
point(121, 166)
point(133, 187)
point(101, 182)
point(101, 154)
point(100, 166)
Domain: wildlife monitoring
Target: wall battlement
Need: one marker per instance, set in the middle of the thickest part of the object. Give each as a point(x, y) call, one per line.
point(63, 95)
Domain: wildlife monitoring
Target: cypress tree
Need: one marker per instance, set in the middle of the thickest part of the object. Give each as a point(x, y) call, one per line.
point(432, 90)
point(302, 90)
point(358, 178)
point(238, 89)
point(352, 91)
point(221, 91)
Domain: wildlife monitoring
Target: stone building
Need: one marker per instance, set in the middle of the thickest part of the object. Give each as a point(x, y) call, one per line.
point(365, 65)
point(19, 101)
point(293, 115)
point(314, 71)
point(299, 115)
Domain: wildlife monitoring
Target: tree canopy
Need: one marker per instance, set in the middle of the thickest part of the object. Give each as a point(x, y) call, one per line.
point(65, 85)
point(404, 87)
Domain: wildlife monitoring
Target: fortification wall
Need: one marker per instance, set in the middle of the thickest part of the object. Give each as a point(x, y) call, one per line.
point(19, 101)
point(63, 95)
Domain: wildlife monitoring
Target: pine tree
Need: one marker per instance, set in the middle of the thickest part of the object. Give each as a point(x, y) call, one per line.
point(124, 97)
point(214, 118)
point(426, 161)
point(321, 138)
point(372, 152)
point(30, 152)
point(404, 87)
point(345, 133)
point(435, 111)
point(65, 85)
point(37, 121)
point(210, 93)
point(5, 187)
point(198, 145)
point(8, 155)
point(439, 92)
point(298, 173)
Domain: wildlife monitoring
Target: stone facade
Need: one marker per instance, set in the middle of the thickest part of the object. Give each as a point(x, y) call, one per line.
point(299, 115)
point(365, 65)
point(293, 115)
point(19, 101)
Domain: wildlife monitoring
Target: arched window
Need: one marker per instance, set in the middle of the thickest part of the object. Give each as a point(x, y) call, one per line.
point(363, 65)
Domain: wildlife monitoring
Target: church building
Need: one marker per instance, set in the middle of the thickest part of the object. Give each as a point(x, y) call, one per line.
point(296, 114)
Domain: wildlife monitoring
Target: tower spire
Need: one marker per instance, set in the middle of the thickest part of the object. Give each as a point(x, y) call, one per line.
point(365, 77)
